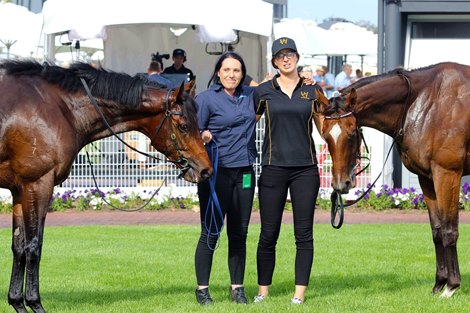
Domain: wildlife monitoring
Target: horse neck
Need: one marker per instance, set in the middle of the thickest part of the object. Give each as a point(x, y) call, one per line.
point(381, 105)
point(109, 118)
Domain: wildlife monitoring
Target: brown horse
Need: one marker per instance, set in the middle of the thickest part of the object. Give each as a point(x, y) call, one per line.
point(46, 117)
point(426, 112)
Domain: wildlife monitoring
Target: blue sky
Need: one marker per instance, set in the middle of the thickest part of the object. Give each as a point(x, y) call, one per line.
point(318, 10)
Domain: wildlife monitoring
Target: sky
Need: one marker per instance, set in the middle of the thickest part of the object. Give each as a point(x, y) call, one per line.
point(318, 10)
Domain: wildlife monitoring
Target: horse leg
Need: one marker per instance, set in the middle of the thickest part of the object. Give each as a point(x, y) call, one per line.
point(35, 199)
point(15, 293)
point(447, 188)
point(429, 194)
point(447, 185)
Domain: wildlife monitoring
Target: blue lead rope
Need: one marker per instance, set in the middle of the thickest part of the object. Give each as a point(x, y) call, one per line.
point(214, 215)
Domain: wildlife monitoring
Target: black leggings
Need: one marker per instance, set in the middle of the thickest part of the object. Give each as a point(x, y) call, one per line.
point(236, 203)
point(303, 184)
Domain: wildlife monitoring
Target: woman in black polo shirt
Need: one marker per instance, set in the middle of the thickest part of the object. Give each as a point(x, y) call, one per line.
point(289, 164)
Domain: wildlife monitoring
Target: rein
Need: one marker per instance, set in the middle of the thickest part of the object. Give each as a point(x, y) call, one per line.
point(405, 105)
point(183, 162)
point(337, 205)
point(213, 210)
point(109, 203)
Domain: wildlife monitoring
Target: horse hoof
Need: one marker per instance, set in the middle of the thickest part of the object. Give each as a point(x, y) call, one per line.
point(36, 307)
point(19, 308)
point(448, 292)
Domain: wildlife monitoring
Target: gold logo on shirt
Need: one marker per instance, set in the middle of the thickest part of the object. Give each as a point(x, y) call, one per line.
point(304, 95)
point(283, 41)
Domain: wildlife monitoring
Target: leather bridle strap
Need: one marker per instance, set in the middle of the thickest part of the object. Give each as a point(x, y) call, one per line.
point(181, 161)
point(337, 206)
point(405, 104)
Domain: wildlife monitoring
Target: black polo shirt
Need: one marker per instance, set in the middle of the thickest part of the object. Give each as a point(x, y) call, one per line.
point(182, 70)
point(288, 137)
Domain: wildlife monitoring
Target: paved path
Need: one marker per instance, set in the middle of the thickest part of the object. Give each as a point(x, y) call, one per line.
point(190, 217)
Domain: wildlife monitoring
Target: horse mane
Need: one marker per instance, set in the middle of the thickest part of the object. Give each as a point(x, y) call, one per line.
point(396, 71)
point(370, 79)
point(336, 105)
point(118, 87)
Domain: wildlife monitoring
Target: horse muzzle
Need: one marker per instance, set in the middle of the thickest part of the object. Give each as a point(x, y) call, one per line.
point(343, 185)
point(191, 175)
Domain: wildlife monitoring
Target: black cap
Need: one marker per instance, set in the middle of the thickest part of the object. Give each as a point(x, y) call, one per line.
point(178, 51)
point(283, 43)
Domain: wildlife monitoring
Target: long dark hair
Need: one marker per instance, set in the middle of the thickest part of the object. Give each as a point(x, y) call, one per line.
point(230, 54)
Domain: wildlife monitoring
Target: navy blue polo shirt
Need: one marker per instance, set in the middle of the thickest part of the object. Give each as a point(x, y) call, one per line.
point(232, 121)
point(288, 137)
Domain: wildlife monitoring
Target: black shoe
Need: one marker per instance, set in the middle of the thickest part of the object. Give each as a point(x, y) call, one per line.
point(237, 295)
point(203, 297)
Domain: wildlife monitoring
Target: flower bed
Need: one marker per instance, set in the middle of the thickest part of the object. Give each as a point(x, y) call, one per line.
point(94, 199)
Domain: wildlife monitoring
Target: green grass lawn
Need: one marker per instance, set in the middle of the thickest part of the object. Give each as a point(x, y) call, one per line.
point(359, 268)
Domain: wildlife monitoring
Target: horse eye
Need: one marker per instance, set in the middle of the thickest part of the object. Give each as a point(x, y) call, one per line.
point(183, 127)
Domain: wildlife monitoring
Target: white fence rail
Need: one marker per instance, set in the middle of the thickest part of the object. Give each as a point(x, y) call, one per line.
point(114, 165)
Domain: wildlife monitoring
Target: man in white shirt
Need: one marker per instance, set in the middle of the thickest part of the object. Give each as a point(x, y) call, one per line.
point(343, 79)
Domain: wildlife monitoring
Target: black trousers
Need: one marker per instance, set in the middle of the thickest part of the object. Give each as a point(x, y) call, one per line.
point(236, 201)
point(303, 184)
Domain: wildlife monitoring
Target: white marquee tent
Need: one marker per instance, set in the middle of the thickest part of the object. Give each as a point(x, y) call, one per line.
point(20, 31)
point(133, 30)
point(341, 39)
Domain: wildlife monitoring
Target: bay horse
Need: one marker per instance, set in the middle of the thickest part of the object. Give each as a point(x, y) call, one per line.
point(426, 112)
point(47, 117)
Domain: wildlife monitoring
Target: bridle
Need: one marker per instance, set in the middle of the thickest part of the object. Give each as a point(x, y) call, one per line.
point(360, 139)
point(182, 162)
point(337, 205)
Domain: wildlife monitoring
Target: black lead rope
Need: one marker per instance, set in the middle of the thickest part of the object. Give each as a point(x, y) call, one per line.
point(182, 161)
point(337, 205)
point(102, 196)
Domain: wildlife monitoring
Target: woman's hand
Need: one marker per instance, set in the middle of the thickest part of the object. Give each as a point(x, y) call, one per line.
point(206, 136)
point(309, 80)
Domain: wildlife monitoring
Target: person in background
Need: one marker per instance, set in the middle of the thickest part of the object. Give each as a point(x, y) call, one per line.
point(226, 116)
point(153, 74)
point(329, 78)
point(358, 76)
point(179, 58)
point(320, 78)
point(305, 72)
point(249, 81)
point(289, 164)
point(343, 79)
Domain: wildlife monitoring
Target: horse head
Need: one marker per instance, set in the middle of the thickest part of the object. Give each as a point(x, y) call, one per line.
point(176, 133)
point(340, 130)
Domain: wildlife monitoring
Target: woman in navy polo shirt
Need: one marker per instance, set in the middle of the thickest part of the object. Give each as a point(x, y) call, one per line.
point(289, 164)
point(226, 116)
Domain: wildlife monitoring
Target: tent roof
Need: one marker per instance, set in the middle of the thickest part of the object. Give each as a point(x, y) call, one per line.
point(253, 16)
point(340, 39)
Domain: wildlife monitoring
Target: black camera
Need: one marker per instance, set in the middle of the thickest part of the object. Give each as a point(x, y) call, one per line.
point(157, 57)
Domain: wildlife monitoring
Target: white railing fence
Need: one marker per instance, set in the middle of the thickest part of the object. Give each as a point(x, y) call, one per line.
point(115, 165)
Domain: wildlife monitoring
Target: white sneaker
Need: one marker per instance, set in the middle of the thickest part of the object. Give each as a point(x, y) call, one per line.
point(296, 301)
point(259, 298)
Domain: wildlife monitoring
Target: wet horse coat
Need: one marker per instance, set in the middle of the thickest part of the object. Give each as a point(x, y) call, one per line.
point(46, 118)
point(427, 112)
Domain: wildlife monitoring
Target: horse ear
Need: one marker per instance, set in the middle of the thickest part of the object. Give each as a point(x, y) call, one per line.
point(320, 103)
point(191, 88)
point(179, 93)
point(352, 97)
